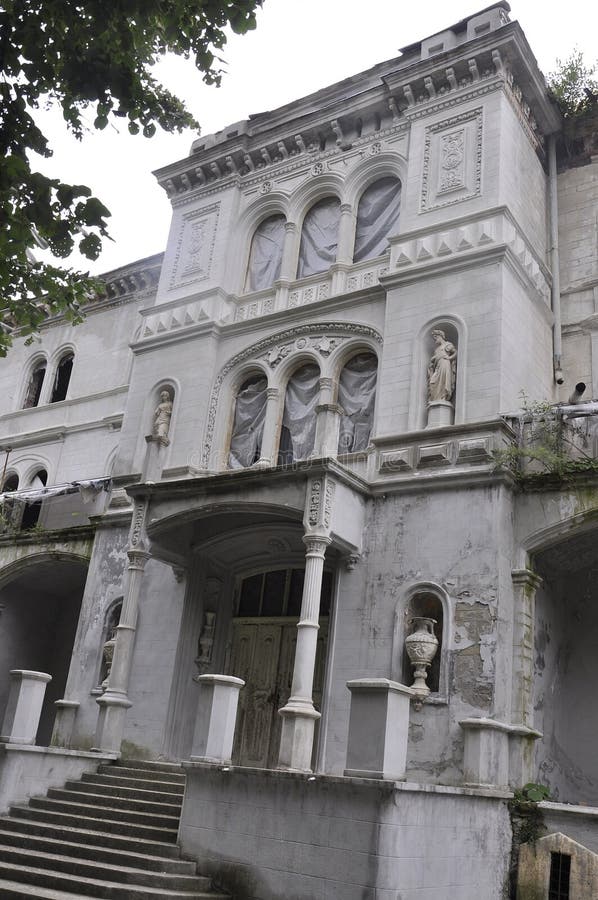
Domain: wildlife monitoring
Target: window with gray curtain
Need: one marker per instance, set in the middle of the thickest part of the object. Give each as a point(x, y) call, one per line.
point(265, 256)
point(377, 218)
point(299, 417)
point(319, 237)
point(248, 426)
point(356, 396)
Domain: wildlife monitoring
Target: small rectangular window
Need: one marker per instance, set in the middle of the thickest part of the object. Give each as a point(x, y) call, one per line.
point(560, 874)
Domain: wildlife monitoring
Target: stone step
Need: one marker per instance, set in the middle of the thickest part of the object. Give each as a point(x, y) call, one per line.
point(115, 790)
point(113, 776)
point(34, 877)
point(105, 811)
point(152, 765)
point(58, 862)
point(36, 844)
point(139, 805)
point(25, 824)
point(93, 822)
point(158, 771)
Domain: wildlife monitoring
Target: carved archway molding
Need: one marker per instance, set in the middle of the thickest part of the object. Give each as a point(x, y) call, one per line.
point(18, 566)
point(323, 337)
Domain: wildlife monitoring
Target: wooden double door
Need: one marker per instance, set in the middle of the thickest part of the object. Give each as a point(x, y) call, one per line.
point(263, 655)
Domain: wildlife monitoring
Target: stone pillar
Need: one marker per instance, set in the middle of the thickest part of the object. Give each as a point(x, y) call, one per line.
point(299, 715)
point(486, 752)
point(344, 250)
point(525, 585)
point(153, 462)
point(378, 728)
point(288, 265)
point(114, 702)
point(24, 707)
point(327, 429)
point(64, 723)
point(269, 451)
point(216, 718)
point(521, 755)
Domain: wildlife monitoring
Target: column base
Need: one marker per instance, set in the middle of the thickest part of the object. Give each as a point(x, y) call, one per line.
point(297, 736)
point(111, 722)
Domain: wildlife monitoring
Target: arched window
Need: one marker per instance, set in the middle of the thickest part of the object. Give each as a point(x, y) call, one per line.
point(377, 217)
point(62, 377)
point(11, 482)
point(32, 511)
point(248, 425)
point(265, 256)
point(34, 385)
point(356, 396)
point(298, 432)
point(319, 237)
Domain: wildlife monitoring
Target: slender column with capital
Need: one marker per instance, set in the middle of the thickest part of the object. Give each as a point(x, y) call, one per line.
point(328, 420)
point(344, 250)
point(525, 585)
point(288, 265)
point(114, 702)
point(299, 714)
point(269, 443)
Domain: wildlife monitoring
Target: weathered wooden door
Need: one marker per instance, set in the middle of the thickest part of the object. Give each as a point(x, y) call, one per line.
point(263, 653)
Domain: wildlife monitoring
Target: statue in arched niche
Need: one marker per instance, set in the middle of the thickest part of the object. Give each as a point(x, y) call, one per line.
point(163, 415)
point(442, 369)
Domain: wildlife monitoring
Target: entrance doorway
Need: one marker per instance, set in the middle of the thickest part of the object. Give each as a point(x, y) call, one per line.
point(264, 635)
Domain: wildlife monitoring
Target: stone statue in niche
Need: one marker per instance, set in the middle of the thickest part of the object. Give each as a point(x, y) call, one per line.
point(162, 416)
point(442, 377)
point(442, 369)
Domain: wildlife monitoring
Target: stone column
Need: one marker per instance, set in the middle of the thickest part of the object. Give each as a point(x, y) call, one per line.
point(299, 715)
point(24, 707)
point(269, 452)
point(114, 702)
point(344, 250)
point(525, 585)
point(288, 265)
point(328, 420)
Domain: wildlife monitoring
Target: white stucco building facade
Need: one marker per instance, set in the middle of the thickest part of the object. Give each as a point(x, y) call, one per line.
point(273, 449)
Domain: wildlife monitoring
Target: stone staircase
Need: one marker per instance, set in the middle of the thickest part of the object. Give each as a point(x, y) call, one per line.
point(112, 834)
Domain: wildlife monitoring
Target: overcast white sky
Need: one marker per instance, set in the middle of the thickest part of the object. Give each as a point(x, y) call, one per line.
point(298, 47)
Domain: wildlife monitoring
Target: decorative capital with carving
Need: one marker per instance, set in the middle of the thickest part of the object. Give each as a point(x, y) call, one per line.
point(318, 511)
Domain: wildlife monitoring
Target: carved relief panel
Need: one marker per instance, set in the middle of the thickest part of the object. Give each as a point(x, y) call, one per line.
point(195, 246)
point(452, 169)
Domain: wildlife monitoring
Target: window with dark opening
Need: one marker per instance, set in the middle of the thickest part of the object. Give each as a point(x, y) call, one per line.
point(63, 377)
point(32, 511)
point(34, 387)
point(11, 482)
point(278, 593)
point(560, 874)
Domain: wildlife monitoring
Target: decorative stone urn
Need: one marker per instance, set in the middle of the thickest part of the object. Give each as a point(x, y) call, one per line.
point(421, 645)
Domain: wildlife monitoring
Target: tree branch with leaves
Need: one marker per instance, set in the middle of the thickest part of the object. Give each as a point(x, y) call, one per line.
point(84, 56)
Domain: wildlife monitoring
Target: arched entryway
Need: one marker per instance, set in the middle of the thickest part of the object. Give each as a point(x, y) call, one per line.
point(243, 600)
point(566, 667)
point(40, 601)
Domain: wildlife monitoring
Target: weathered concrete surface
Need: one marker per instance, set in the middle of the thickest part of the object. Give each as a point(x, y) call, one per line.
point(266, 835)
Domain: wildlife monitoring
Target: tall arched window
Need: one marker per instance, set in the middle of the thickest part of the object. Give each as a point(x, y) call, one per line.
point(356, 396)
point(33, 509)
point(265, 256)
point(11, 483)
point(377, 217)
point(248, 425)
point(62, 377)
point(34, 385)
point(298, 432)
point(319, 237)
